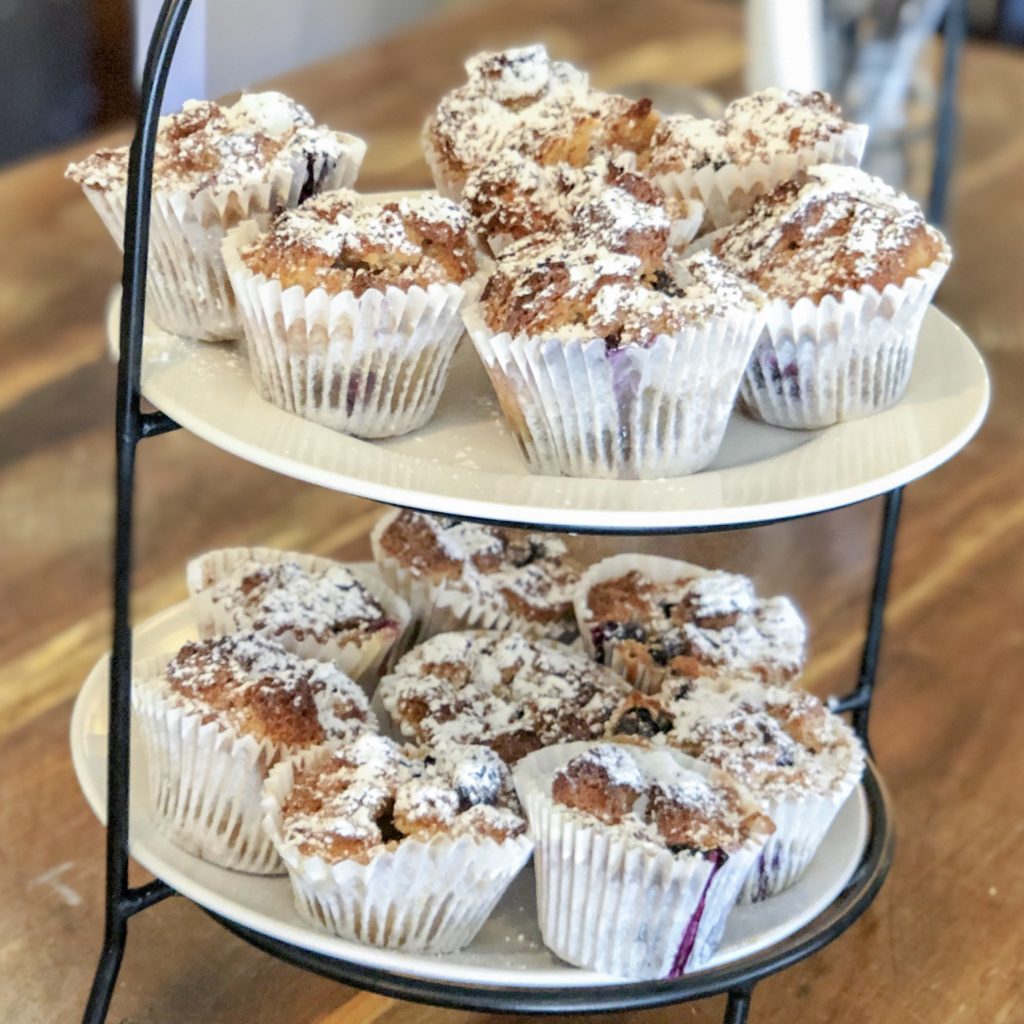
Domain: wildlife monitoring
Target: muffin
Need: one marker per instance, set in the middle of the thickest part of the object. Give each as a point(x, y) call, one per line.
point(609, 357)
point(760, 141)
point(350, 307)
point(649, 617)
point(314, 607)
point(460, 575)
point(848, 266)
point(520, 99)
point(797, 758)
point(503, 690)
point(214, 167)
point(512, 196)
point(640, 855)
point(396, 848)
point(214, 718)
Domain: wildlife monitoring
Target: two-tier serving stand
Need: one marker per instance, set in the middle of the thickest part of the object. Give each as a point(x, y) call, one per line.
point(466, 465)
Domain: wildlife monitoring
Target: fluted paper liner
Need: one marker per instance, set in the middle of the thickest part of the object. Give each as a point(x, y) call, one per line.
point(636, 412)
point(437, 607)
point(360, 661)
point(448, 182)
point(187, 288)
point(801, 824)
point(816, 364)
point(729, 191)
point(372, 365)
point(422, 897)
point(609, 905)
point(205, 780)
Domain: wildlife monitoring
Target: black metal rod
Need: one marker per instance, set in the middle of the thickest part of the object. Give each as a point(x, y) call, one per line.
point(954, 32)
point(138, 899)
point(129, 430)
point(738, 1006)
point(860, 700)
point(156, 422)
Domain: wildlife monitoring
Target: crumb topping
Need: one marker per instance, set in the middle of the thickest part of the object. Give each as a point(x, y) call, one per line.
point(714, 619)
point(658, 804)
point(252, 684)
point(522, 100)
point(501, 689)
point(527, 575)
point(206, 145)
point(832, 229)
point(369, 795)
point(343, 241)
point(278, 599)
point(753, 128)
point(581, 287)
point(778, 742)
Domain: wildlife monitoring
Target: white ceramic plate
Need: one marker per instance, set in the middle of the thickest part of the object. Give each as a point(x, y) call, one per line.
point(466, 463)
point(508, 951)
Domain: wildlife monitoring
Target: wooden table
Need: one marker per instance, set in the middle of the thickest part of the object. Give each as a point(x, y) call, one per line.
point(942, 943)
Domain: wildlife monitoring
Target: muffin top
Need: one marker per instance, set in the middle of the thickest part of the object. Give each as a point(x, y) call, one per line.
point(656, 802)
point(528, 576)
point(831, 229)
point(698, 621)
point(582, 286)
point(753, 128)
point(207, 145)
point(342, 241)
point(252, 685)
point(512, 195)
point(780, 743)
point(368, 796)
point(324, 604)
point(522, 100)
point(502, 689)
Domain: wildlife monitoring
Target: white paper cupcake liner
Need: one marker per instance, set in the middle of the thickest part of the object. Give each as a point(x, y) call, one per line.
point(610, 905)
point(636, 412)
point(205, 781)
point(187, 287)
point(729, 192)
point(800, 827)
point(361, 661)
point(817, 364)
point(373, 365)
point(430, 897)
point(438, 607)
point(646, 678)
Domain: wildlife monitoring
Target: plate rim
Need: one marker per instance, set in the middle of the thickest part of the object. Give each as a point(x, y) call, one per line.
point(579, 516)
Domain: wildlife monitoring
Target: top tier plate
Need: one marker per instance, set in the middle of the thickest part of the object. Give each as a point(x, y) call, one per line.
point(466, 463)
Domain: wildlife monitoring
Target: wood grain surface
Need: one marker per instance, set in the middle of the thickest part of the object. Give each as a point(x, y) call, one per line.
point(943, 942)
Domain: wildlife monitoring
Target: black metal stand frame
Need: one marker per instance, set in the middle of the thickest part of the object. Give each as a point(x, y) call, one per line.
point(123, 901)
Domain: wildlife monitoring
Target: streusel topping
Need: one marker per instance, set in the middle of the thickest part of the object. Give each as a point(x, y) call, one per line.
point(368, 796)
point(526, 575)
point(831, 229)
point(206, 145)
point(753, 128)
point(779, 742)
point(656, 802)
point(713, 619)
point(502, 689)
point(253, 685)
point(324, 604)
point(581, 286)
point(344, 241)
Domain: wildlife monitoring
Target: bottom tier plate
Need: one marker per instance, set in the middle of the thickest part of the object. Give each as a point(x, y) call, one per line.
point(507, 952)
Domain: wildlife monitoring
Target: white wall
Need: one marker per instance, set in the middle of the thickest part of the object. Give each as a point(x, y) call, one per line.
point(230, 44)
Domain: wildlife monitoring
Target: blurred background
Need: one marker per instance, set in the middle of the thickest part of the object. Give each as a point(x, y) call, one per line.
point(68, 67)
